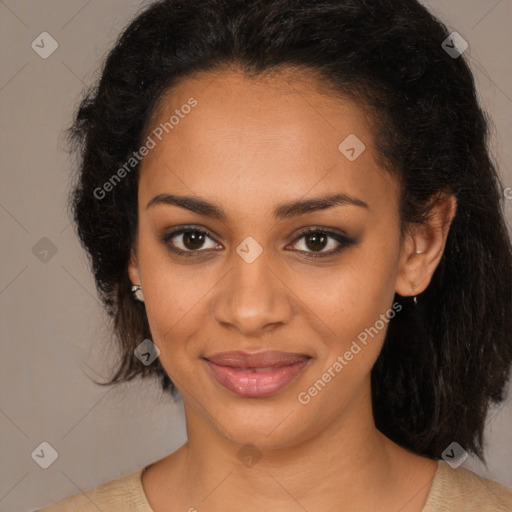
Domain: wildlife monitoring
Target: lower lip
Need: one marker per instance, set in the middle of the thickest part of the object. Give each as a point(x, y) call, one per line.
point(252, 384)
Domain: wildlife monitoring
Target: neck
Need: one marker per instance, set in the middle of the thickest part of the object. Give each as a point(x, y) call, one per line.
point(345, 465)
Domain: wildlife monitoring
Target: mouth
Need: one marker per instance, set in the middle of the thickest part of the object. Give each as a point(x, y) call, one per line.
point(256, 375)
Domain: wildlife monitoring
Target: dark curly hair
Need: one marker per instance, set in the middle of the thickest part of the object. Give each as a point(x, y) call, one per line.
point(443, 361)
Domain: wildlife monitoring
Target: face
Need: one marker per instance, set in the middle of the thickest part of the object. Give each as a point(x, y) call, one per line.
point(255, 261)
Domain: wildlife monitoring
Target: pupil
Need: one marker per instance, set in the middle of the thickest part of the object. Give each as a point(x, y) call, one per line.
point(316, 238)
point(193, 239)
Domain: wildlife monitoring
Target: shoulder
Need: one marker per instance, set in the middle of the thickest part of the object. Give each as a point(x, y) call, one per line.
point(460, 489)
point(125, 493)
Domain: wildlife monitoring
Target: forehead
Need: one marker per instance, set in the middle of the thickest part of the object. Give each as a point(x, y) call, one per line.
point(281, 133)
point(287, 106)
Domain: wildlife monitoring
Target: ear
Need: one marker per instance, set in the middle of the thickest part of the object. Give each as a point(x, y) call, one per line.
point(133, 268)
point(429, 240)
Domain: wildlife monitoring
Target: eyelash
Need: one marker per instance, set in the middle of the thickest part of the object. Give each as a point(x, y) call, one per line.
point(341, 239)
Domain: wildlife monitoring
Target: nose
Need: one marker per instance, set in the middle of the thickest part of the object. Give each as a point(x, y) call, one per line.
point(254, 299)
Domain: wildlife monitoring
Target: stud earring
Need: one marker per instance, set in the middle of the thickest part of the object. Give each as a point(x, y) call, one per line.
point(137, 293)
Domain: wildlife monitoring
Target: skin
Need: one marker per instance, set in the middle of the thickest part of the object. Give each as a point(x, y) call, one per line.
point(249, 146)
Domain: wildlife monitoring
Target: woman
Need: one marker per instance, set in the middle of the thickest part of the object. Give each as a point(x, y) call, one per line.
point(293, 219)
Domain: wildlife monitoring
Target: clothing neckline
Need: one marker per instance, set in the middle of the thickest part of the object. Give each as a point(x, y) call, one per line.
point(428, 502)
point(139, 489)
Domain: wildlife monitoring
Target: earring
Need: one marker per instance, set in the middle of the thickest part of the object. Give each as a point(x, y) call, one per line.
point(415, 300)
point(137, 293)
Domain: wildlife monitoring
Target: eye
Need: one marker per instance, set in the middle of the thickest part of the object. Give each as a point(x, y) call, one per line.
point(188, 240)
point(316, 240)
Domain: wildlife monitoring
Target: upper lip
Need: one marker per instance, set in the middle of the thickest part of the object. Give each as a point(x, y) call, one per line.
point(268, 359)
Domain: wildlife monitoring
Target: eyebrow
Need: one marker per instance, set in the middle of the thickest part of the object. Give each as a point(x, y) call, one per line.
point(282, 211)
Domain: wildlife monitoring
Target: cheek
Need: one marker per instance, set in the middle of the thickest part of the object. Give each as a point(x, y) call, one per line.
point(356, 305)
point(352, 296)
point(170, 291)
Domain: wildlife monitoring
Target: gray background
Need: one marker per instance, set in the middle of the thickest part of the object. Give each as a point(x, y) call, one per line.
point(53, 330)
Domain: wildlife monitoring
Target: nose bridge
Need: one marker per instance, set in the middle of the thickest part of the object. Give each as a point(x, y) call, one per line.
point(252, 276)
point(253, 297)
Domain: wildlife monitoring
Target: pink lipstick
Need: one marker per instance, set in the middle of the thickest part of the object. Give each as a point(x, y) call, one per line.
point(258, 374)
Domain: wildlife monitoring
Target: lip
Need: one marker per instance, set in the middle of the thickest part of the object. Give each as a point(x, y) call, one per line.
point(258, 374)
point(268, 358)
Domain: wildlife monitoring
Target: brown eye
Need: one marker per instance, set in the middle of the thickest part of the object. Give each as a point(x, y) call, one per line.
point(187, 241)
point(193, 239)
point(314, 242)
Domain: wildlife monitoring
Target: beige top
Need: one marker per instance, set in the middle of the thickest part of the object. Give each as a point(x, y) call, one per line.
point(452, 490)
